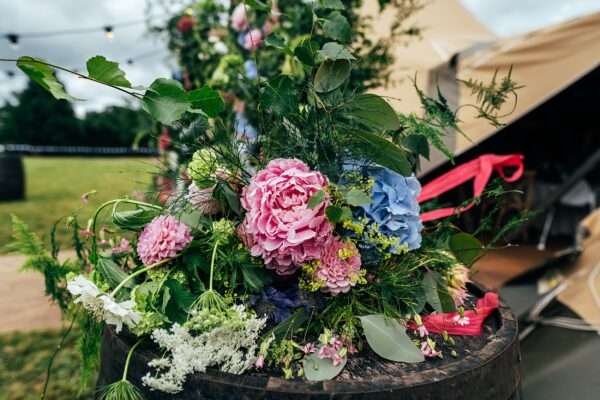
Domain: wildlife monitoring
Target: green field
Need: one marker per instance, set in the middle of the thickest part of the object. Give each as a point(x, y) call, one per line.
point(55, 185)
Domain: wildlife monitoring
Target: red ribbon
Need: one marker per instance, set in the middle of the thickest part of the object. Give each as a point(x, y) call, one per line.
point(480, 170)
point(438, 323)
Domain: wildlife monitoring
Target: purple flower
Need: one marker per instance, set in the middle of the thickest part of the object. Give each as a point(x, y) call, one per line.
point(162, 238)
point(282, 302)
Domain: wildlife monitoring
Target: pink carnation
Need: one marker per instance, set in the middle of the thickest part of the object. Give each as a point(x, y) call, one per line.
point(339, 266)
point(282, 229)
point(162, 238)
point(239, 18)
point(253, 39)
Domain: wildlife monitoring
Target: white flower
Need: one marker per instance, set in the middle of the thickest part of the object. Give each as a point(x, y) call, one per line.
point(101, 305)
point(461, 320)
point(118, 314)
point(221, 48)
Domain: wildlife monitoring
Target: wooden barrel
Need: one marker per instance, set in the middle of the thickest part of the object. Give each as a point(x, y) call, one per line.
point(12, 177)
point(489, 371)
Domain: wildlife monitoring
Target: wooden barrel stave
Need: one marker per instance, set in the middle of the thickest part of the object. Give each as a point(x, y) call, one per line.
point(12, 178)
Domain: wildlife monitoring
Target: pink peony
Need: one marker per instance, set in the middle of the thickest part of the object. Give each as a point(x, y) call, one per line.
point(202, 199)
point(239, 18)
point(339, 266)
point(162, 238)
point(253, 39)
point(282, 229)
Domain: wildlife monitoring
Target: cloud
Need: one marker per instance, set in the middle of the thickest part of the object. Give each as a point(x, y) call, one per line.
point(73, 50)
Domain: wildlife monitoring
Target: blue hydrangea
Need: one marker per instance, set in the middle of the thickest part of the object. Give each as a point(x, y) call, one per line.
point(250, 69)
point(243, 129)
point(394, 207)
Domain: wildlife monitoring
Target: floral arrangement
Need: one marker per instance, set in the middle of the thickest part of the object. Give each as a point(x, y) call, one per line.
point(292, 258)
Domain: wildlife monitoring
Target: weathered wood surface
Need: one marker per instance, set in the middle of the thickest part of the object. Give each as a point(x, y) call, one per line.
point(482, 372)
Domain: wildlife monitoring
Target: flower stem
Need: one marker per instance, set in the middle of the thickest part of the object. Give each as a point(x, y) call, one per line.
point(212, 265)
point(138, 272)
point(124, 378)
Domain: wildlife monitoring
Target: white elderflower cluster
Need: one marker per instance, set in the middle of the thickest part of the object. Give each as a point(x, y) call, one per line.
point(231, 346)
point(101, 305)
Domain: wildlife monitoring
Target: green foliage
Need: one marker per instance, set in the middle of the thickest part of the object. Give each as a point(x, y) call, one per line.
point(134, 220)
point(436, 292)
point(89, 348)
point(108, 72)
point(373, 112)
point(207, 100)
point(336, 27)
point(38, 71)
point(389, 340)
point(318, 369)
point(467, 248)
point(111, 273)
point(331, 75)
point(166, 100)
point(120, 390)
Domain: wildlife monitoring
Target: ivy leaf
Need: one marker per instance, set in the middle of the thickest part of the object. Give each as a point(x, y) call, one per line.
point(330, 4)
point(418, 144)
point(255, 278)
point(166, 100)
point(336, 27)
point(316, 199)
point(374, 112)
point(356, 198)
point(44, 76)
point(105, 71)
point(467, 248)
point(111, 272)
point(334, 51)
point(436, 294)
point(337, 214)
point(389, 340)
point(321, 369)
point(385, 153)
point(207, 100)
point(331, 75)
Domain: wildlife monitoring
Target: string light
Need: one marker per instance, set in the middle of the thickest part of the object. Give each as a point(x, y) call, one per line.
point(109, 32)
point(13, 39)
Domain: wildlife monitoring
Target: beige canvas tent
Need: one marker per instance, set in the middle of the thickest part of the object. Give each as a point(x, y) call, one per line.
point(455, 45)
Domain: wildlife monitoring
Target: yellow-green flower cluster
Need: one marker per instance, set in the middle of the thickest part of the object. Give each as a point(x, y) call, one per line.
point(203, 167)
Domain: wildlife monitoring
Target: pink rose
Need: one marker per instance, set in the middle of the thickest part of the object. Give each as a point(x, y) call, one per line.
point(239, 18)
point(284, 231)
point(253, 39)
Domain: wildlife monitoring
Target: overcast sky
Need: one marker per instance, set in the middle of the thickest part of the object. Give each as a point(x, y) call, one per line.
point(504, 17)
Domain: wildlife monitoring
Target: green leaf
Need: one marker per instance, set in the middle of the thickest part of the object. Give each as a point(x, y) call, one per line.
point(102, 70)
point(178, 302)
point(255, 278)
point(436, 293)
point(258, 5)
point(467, 248)
point(336, 27)
point(356, 197)
point(330, 4)
point(334, 51)
point(111, 272)
point(385, 153)
point(166, 100)
point(224, 192)
point(331, 75)
point(207, 100)
point(278, 42)
point(389, 340)
point(337, 214)
point(290, 325)
point(321, 369)
point(306, 51)
point(134, 220)
point(192, 218)
point(280, 95)
point(418, 144)
point(43, 75)
point(316, 199)
point(374, 112)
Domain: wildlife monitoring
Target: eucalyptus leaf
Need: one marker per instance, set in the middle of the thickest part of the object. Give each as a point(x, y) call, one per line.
point(166, 100)
point(105, 71)
point(207, 100)
point(316, 199)
point(373, 111)
point(331, 75)
point(43, 74)
point(467, 248)
point(389, 340)
point(321, 369)
point(334, 51)
point(384, 152)
point(356, 197)
point(336, 27)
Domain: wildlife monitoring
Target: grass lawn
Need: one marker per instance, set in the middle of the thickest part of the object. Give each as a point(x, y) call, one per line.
point(55, 186)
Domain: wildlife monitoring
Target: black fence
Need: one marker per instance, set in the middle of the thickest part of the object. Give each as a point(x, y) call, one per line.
point(25, 149)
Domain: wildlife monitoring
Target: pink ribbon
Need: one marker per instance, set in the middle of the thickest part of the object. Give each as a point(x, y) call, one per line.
point(480, 170)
